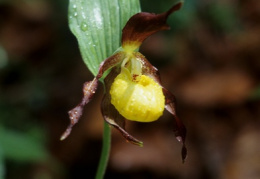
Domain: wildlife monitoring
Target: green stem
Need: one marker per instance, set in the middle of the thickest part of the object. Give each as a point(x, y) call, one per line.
point(105, 151)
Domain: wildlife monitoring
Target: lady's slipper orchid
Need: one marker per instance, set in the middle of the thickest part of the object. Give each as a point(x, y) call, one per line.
point(133, 87)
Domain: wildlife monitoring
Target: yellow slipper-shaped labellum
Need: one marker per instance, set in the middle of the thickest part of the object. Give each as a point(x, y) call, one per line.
point(141, 100)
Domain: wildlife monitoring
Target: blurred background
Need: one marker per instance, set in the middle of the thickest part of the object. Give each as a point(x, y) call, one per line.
point(210, 60)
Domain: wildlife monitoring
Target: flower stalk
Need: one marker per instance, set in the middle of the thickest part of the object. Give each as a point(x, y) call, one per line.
point(106, 145)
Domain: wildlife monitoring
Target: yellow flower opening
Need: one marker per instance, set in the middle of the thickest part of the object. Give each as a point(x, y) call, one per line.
point(139, 100)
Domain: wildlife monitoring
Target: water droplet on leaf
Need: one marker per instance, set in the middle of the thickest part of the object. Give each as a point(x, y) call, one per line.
point(83, 26)
point(83, 15)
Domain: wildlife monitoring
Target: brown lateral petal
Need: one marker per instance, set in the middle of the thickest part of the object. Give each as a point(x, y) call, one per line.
point(142, 25)
point(110, 63)
point(89, 89)
point(179, 128)
point(111, 115)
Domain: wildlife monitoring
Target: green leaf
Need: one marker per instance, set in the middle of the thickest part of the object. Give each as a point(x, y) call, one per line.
point(21, 147)
point(97, 25)
point(2, 164)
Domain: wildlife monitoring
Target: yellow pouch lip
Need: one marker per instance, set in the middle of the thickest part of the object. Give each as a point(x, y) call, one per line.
point(139, 100)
